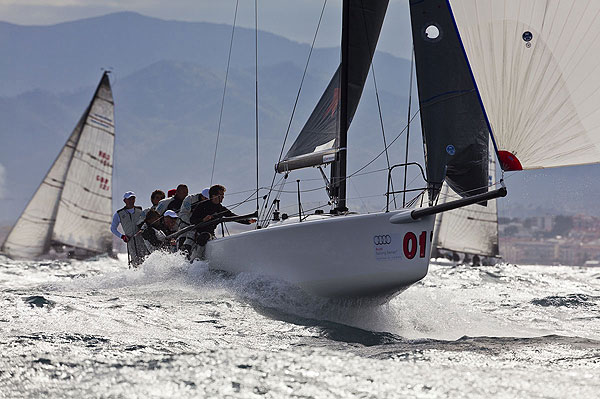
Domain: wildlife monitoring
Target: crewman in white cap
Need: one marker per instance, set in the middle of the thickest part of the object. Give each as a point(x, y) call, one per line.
point(157, 228)
point(186, 241)
point(128, 217)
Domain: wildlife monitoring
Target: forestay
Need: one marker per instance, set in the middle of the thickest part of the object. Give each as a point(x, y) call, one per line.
point(536, 66)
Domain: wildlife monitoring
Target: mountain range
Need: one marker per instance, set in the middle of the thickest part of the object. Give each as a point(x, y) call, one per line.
point(168, 79)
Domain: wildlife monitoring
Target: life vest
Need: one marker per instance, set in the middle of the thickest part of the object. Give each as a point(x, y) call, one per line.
point(129, 221)
point(185, 213)
point(188, 206)
point(165, 204)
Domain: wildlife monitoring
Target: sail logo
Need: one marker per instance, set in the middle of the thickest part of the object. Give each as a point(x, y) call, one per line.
point(382, 239)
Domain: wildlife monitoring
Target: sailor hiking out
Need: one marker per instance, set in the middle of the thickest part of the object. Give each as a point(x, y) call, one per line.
point(155, 229)
point(173, 203)
point(207, 211)
point(186, 241)
point(128, 217)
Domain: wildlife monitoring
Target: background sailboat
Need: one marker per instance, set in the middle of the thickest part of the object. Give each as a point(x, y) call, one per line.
point(471, 231)
point(72, 205)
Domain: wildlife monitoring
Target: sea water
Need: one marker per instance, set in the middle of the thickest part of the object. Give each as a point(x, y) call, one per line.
point(170, 329)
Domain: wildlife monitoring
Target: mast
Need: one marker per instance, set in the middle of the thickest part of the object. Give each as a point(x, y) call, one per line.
point(323, 139)
point(338, 168)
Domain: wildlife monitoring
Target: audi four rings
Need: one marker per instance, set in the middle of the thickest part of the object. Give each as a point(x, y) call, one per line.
point(382, 240)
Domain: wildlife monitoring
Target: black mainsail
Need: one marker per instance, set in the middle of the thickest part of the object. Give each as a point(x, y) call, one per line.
point(322, 140)
point(455, 129)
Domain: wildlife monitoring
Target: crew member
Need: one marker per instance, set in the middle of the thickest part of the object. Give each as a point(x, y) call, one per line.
point(207, 211)
point(173, 203)
point(128, 217)
point(157, 228)
point(186, 241)
point(155, 198)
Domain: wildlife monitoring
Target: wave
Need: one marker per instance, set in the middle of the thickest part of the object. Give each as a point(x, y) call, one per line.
point(446, 305)
point(569, 301)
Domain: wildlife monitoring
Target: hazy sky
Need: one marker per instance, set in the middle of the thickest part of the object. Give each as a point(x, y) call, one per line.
point(294, 19)
point(2, 180)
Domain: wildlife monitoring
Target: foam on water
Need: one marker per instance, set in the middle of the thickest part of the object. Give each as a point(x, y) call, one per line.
point(448, 304)
point(169, 328)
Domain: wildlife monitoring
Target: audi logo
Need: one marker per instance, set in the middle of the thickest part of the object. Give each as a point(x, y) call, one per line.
point(382, 240)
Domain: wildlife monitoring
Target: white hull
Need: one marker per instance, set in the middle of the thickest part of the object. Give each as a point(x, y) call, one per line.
point(353, 256)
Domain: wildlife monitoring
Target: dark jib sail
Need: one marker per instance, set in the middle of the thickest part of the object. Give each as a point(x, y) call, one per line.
point(455, 129)
point(318, 141)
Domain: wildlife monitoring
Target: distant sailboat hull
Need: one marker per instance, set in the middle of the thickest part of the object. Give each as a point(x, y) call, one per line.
point(353, 256)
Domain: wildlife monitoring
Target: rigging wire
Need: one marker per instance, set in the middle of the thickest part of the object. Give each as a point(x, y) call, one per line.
point(388, 146)
point(256, 91)
point(297, 97)
point(357, 172)
point(212, 173)
point(387, 156)
point(412, 63)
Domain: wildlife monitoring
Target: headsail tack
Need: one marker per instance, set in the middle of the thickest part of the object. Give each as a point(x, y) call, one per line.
point(73, 203)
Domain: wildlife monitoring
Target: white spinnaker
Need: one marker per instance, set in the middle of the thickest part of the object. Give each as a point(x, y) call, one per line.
point(85, 209)
point(472, 229)
point(30, 236)
point(541, 96)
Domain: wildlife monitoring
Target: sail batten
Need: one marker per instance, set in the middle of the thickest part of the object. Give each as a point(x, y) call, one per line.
point(48, 218)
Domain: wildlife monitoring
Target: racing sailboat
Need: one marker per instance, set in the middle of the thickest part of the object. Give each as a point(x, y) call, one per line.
point(524, 74)
point(377, 255)
point(70, 211)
